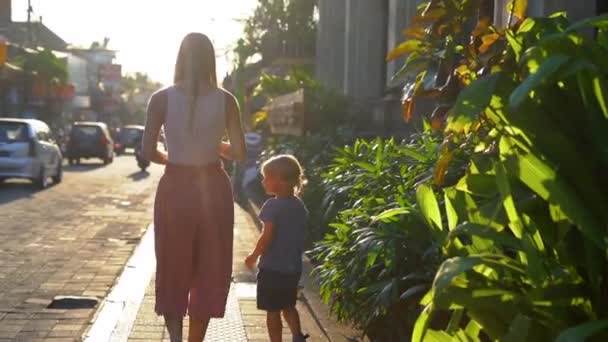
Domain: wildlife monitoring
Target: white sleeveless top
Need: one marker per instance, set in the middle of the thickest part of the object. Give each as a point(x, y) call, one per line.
point(199, 144)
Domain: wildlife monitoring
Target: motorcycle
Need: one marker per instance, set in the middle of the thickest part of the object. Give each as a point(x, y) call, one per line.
point(142, 162)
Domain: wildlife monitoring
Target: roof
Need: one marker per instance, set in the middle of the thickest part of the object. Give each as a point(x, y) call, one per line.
point(20, 120)
point(32, 122)
point(89, 123)
point(134, 126)
point(83, 49)
point(16, 32)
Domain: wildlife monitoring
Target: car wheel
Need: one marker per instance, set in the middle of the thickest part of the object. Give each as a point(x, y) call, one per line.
point(59, 175)
point(41, 182)
point(77, 161)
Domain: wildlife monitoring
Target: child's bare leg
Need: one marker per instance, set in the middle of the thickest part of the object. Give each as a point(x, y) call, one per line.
point(275, 326)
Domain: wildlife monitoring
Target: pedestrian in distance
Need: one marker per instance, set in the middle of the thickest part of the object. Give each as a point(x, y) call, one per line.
point(193, 209)
point(280, 246)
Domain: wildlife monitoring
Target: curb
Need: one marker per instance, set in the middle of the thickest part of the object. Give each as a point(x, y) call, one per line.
point(331, 328)
point(114, 319)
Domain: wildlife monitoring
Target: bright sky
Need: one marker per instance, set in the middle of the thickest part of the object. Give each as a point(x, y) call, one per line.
point(147, 33)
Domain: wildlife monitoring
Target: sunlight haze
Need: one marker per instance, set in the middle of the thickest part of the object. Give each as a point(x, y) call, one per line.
point(146, 33)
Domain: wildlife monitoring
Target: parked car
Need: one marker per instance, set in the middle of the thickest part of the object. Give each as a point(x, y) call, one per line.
point(90, 140)
point(27, 150)
point(128, 137)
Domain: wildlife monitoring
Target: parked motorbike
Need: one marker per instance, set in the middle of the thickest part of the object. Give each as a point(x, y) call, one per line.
point(142, 162)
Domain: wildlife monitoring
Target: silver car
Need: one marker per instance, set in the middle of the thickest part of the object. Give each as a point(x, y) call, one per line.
point(27, 150)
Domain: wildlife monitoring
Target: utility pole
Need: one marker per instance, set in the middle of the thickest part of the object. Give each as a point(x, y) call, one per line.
point(26, 64)
point(29, 20)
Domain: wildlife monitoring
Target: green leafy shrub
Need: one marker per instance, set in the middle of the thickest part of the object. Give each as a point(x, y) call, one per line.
point(379, 258)
point(525, 244)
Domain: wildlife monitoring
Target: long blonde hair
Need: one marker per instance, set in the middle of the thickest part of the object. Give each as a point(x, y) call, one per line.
point(195, 67)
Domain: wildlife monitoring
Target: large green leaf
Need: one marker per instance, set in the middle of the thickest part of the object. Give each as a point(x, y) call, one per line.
point(507, 198)
point(452, 268)
point(601, 93)
point(583, 331)
point(599, 22)
point(389, 214)
point(518, 330)
point(450, 212)
point(486, 232)
point(543, 180)
point(422, 323)
point(437, 336)
point(544, 73)
point(430, 209)
point(482, 185)
point(471, 102)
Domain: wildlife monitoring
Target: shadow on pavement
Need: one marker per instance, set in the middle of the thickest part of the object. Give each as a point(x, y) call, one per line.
point(14, 190)
point(82, 167)
point(139, 175)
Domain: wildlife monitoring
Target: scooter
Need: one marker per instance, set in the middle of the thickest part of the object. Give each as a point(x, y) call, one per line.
point(142, 162)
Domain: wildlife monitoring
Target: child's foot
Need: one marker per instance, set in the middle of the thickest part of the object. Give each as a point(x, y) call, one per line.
point(300, 338)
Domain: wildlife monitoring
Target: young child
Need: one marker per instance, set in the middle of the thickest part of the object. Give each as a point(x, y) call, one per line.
point(280, 246)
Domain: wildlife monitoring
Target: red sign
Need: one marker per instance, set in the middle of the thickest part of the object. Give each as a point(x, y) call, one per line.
point(110, 72)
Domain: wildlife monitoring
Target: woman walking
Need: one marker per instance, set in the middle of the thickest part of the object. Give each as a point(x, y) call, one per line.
point(193, 210)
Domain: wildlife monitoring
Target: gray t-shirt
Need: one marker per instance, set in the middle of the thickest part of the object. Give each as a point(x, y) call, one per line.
point(289, 218)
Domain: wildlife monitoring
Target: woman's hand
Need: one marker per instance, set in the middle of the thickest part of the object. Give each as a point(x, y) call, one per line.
point(226, 151)
point(236, 147)
point(250, 261)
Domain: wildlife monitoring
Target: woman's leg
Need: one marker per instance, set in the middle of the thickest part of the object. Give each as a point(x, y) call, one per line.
point(197, 329)
point(275, 326)
point(174, 327)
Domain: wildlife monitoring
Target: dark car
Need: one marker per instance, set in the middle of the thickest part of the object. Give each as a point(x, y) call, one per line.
point(90, 140)
point(128, 137)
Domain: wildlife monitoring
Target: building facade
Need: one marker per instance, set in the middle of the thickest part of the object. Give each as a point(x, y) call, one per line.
point(355, 36)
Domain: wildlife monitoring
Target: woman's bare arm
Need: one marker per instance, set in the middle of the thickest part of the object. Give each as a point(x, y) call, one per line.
point(235, 150)
point(154, 121)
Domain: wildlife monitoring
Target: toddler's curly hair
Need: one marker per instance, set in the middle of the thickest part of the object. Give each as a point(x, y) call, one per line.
point(287, 168)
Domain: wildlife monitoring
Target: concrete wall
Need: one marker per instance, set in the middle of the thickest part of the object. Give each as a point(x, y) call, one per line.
point(78, 75)
point(577, 9)
point(400, 15)
point(5, 12)
point(366, 24)
point(331, 43)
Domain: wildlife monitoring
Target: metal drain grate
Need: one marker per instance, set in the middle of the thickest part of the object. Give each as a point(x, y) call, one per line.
point(73, 302)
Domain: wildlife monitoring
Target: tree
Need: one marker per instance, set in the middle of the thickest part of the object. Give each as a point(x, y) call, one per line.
point(136, 89)
point(276, 26)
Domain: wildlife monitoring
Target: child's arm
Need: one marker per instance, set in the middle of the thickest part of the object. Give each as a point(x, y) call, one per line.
point(263, 242)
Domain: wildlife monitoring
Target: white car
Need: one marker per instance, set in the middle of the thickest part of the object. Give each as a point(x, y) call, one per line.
point(27, 150)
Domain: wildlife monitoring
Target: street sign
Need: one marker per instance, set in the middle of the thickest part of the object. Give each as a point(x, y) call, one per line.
point(3, 50)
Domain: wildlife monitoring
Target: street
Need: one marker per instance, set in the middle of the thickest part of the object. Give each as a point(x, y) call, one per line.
point(71, 239)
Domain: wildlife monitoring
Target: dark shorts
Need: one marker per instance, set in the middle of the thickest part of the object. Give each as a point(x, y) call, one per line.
point(276, 290)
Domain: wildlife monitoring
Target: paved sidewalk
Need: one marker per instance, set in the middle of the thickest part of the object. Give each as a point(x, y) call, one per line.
point(243, 321)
